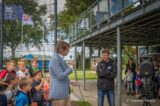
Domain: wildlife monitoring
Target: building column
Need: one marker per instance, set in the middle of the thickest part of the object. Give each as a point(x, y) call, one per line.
point(137, 55)
point(75, 71)
point(119, 67)
point(84, 74)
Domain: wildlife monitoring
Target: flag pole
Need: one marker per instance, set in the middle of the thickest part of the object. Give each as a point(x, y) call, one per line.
point(43, 54)
point(22, 36)
point(1, 34)
point(55, 25)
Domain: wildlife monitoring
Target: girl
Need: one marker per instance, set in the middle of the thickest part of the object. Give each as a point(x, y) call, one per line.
point(138, 82)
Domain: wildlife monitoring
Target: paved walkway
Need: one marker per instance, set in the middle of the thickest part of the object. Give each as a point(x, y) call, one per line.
point(90, 95)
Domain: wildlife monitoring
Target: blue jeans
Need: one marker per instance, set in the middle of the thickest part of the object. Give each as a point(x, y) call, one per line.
point(110, 96)
point(129, 87)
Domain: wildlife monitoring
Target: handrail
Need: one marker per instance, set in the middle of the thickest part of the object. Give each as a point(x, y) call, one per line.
point(86, 10)
point(123, 10)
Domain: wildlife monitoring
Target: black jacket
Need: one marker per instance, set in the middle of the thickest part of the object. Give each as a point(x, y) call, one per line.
point(106, 72)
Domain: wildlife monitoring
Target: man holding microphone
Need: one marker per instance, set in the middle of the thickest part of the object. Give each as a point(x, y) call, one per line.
point(59, 72)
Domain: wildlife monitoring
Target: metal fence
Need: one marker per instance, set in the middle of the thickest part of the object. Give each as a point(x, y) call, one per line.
point(102, 13)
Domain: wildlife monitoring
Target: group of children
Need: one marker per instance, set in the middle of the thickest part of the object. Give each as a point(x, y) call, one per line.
point(133, 80)
point(22, 86)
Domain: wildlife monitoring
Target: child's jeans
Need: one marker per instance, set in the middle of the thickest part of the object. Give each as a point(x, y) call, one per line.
point(129, 86)
point(138, 90)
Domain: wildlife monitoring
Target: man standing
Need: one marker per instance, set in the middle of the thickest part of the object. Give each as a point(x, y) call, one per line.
point(59, 72)
point(106, 72)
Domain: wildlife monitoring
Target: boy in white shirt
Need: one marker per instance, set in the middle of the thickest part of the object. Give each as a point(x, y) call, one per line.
point(23, 71)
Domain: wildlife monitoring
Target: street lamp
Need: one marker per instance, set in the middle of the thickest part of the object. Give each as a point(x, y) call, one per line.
point(1, 34)
point(55, 24)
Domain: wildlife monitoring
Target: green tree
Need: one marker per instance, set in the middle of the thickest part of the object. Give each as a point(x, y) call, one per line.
point(128, 52)
point(32, 34)
point(73, 9)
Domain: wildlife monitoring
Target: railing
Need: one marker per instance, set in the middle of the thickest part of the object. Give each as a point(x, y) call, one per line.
point(102, 12)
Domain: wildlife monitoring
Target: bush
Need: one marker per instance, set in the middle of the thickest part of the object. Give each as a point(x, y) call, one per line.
point(80, 63)
point(88, 63)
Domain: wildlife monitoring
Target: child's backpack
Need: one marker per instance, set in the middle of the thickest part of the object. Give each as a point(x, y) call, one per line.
point(3, 87)
point(12, 100)
point(6, 71)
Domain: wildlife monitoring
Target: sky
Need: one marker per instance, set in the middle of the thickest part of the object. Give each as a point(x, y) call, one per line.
point(51, 7)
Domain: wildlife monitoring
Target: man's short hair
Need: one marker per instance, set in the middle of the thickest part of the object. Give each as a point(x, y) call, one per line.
point(105, 51)
point(61, 46)
point(24, 82)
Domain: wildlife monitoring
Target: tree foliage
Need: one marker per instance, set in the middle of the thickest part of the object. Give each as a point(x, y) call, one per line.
point(73, 9)
point(128, 52)
point(31, 34)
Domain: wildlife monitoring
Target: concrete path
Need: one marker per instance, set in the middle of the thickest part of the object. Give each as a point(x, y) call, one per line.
point(90, 95)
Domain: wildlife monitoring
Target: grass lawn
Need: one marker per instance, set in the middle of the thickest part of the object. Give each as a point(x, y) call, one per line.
point(89, 75)
point(84, 104)
point(80, 103)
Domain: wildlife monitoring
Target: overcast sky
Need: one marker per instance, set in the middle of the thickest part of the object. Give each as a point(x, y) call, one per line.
point(51, 7)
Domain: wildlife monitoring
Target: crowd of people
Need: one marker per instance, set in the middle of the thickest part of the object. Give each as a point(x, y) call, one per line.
point(29, 86)
point(133, 80)
point(22, 86)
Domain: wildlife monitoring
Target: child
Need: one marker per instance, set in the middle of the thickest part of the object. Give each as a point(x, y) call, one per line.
point(46, 86)
point(3, 74)
point(138, 82)
point(129, 80)
point(37, 90)
point(20, 60)
point(10, 92)
point(22, 97)
point(34, 66)
point(23, 71)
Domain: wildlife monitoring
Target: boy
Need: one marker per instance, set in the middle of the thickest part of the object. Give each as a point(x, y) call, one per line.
point(23, 71)
point(34, 66)
point(37, 89)
point(10, 92)
point(4, 73)
point(20, 60)
point(46, 87)
point(22, 97)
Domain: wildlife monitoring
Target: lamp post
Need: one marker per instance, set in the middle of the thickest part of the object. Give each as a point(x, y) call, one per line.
point(1, 34)
point(55, 24)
